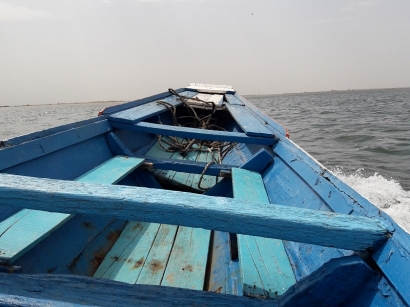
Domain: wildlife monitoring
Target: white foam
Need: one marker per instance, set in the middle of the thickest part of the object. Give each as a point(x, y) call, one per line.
point(387, 194)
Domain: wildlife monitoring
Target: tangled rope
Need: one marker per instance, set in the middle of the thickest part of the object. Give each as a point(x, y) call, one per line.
point(217, 149)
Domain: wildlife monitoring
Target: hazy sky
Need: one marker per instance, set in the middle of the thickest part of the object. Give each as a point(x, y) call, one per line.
point(72, 51)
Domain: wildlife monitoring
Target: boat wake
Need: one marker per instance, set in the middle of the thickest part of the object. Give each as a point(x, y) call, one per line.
point(387, 194)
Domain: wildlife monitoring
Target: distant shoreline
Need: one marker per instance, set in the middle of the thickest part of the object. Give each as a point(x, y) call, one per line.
point(332, 91)
point(115, 102)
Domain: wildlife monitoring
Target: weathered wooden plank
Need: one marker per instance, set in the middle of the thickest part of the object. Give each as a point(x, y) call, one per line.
point(157, 260)
point(30, 150)
point(194, 133)
point(394, 261)
point(86, 240)
point(278, 129)
point(125, 260)
point(257, 163)
point(12, 241)
point(249, 124)
point(233, 100)
point(265, 267)
point(187, 262)
point(9, 222)
point(179, 208)
point(65, 290)
point(112, 171)
point(144, 111)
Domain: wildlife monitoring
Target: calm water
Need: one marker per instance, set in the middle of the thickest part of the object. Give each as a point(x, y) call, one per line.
point(362, 136)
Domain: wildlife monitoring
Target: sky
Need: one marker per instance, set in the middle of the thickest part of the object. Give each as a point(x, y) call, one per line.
point(79, 51)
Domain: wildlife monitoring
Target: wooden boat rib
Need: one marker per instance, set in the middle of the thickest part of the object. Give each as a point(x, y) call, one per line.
point(188, 197)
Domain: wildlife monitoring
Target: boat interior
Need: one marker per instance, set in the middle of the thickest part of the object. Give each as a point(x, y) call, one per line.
point(217, 145)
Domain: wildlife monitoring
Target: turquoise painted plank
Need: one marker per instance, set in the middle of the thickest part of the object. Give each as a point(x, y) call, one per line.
point(218, 213)
point(9, 222)
point(265, 267)
point(112, 171)
point(141, 112)
point(252, 282)
point(277, 265)
point(249, 124)
point(125, 260)
point(36, 225)
point(157, 260)
point(187, 263)
point(194, 133)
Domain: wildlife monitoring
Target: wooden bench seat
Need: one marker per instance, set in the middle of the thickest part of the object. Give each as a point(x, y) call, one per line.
point(32, 226)
point(160, 254)
point(265, 268)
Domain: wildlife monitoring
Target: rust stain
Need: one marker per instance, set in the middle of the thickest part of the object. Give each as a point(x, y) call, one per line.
point(170, 278)
point(187, 268)
point(219, 290)
point(156, 265)
point(113, 235)
point(97, 259)
point(136, 226)
point(139, 263)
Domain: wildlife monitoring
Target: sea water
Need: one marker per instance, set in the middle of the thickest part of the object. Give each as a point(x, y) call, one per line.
point(363, 136)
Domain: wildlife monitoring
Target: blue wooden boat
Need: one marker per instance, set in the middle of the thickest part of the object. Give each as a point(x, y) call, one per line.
point(189, 197)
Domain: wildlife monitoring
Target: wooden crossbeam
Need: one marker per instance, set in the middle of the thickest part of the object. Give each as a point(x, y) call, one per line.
point(194, 133)
point(68, 290)
point(186, 166)
point(186, 209)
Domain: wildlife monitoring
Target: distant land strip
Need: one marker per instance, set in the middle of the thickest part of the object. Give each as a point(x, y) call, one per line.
point(64, 103)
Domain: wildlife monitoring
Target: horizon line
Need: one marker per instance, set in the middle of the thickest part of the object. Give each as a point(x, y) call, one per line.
point(125, 101)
